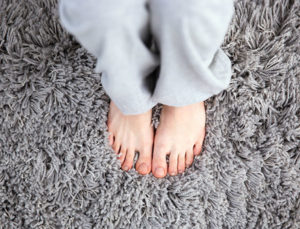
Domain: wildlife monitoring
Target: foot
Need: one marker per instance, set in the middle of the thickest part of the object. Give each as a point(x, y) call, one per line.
point(180, 134)
point(130, 133)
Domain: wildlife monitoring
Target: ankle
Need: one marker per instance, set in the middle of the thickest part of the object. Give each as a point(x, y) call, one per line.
point(115, 108)
point(183, 108)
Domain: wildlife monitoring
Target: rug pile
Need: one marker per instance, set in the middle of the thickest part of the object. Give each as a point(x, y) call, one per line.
point(58, 171)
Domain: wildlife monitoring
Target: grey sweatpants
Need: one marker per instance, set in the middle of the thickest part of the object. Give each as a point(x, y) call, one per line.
point(187, 57)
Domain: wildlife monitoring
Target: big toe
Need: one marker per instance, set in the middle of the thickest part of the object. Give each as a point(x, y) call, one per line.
point(143, 165)
point(159, 163)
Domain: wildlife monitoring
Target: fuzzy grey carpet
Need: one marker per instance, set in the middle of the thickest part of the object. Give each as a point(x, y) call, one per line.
point(57, 170)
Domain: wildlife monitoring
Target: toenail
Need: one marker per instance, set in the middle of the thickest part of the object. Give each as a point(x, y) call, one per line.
point(180, 171)
point(172, 174)
point(126, 168)
point(143, 167)
point(159, 171)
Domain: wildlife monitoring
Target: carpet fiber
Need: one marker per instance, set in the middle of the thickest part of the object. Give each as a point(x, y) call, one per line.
point(58, 171)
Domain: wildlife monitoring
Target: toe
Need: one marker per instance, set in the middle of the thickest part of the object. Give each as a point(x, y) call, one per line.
point(122, 154)
point(181, 162)
point(159, 163)
point(143, 164)
point(189, 157)
point(173, 161)
point(111, 138)
point(116, 146)
point(197, 148)
point(127, 165)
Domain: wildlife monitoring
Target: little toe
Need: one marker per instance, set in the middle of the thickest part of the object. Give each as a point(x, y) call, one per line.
point(197, 148)
point(116, 146)
point(189, 157)
point(143, 164)
point(181, 162)
point(159, 163)
point(127, 165)
point(173, 161)
point(111, 139)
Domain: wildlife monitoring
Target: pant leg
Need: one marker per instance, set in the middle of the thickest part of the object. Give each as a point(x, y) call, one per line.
point(117, 33)
point(189, 34)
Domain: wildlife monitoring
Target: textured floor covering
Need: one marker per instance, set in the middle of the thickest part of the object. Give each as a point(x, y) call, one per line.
point(57, 171)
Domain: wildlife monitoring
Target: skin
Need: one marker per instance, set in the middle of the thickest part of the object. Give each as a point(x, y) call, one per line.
point(180, 135)
point(130, 133)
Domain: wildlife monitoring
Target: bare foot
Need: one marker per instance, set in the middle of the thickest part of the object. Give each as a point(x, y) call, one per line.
point(130, 133)
point(180, 134)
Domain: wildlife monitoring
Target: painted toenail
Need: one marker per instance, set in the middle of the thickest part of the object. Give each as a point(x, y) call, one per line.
point(143, 167)
point(159, 171)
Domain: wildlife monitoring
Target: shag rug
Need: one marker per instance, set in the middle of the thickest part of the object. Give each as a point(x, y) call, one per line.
point(58, 171)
